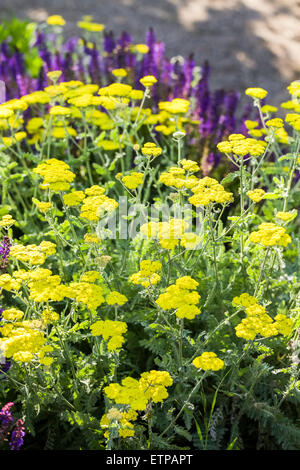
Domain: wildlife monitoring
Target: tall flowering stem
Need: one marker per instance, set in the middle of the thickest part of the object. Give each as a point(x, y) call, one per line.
point(16, 440)
point(4, 252)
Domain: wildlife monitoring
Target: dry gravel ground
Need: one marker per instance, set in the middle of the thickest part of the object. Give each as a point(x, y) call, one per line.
point(248, 42)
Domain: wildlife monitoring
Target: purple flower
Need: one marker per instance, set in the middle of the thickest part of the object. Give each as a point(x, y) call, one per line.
point(6, 420)
point(150, 38)
point(4, 252)
point(109, 42)
point(16, 440)
point(4, 368)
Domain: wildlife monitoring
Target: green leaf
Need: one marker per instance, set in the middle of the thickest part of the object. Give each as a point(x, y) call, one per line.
point(198, 430)
point(231, 445)
point(272, 196)
point(230, 177)
point(183, 432)
point(99, 169)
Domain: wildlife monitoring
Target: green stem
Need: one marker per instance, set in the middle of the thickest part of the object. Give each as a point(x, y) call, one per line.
point(261, 272)
point(213, 245)
point(184, 404)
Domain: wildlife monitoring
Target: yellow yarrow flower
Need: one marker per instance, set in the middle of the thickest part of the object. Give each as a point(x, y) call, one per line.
point(91, 238)
point(54, 75)
point(148, 274)
point(119, 73)
point(111, 331)
point(9, 283)
point(286, 216)
point(208, 361)
point(73, 199)
point(241, 146)
point(109, 145)
point(276, 122)
point(56, 20)
point(141, 48)
point(5, 113)
point(151, 149)
point(284, 325)
point(251, 124)
point(267, 108)
point(190, 240)
point(115, 89)
point(207, 191)
point(136, 95)
point(294, 88)
point(87, 293)
point(49, 316)
point(42, 206)
point(148, 81)
point(37, 97)
point(56, 174)
point(115, 298)
point(94, 207)
point(182, 297)
point(244, 300)
point(59, 111)
point(7, 221)
point(34, 124)
point(137, 393)
point(133, 180)
point(256, 195)
point(291, 104)
point(15, 105)
point(90, 276)
point(269, 234)
point(176, 106)
point(189, 165)
point(90, 26)
point(12, 314)
point(281, 136)
point(256, 322)
point(258, 93)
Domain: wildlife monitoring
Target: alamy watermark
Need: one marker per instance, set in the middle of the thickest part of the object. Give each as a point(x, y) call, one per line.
point(127, 221)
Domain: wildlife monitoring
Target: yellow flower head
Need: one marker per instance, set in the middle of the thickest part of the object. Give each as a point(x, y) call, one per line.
point(258, 93)
point(148, 273)
point(111, 331)
point(133, 180)
point(176, 106)
point(256, 194)
point(119, 73)
point(42, 206)
point(270, 234)
point(286, 216)
point(141, 48)
point(115, 298)
point(54, 75)
point(182, 297)
point(56, 20)
point(148, 81)
point(151, 149)
point(90, 26)
point(59, 111)
point(208, 361)
point(74, 198)
point(7, 221)
point(294, 88)
point(267, 108)
point(276, 122)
